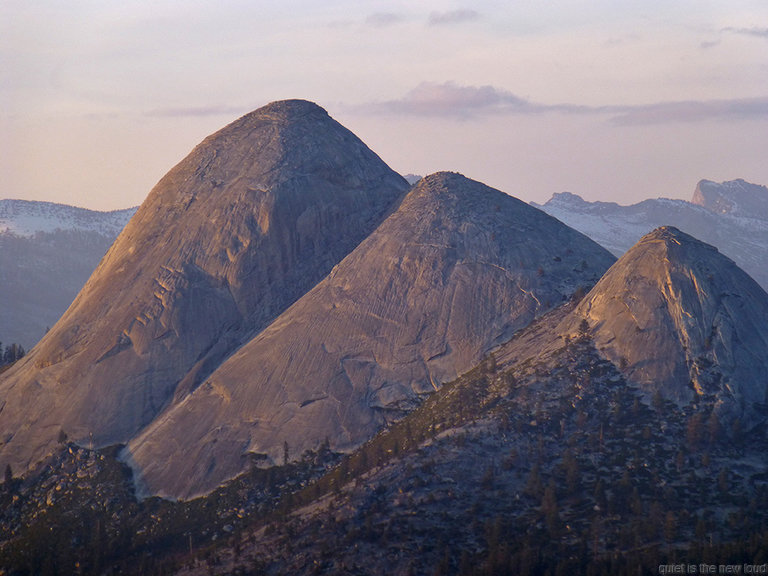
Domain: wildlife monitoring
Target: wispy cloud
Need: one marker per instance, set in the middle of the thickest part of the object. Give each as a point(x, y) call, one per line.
point(450, 100)
point(384, 19)
point(197, 111)
point(452, 17)
point(691, 111)
point(754, 31)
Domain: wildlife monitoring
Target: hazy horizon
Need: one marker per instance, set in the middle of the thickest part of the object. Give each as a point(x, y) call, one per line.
point(611, 102)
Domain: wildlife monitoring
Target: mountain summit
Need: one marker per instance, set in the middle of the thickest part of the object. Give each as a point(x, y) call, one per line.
point(457, 268)
point(682, 320)
point(255, 216)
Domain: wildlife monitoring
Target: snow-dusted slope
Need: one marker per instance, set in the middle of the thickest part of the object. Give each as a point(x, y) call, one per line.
point(47, 252)
point(26, 218)
point(741, 234)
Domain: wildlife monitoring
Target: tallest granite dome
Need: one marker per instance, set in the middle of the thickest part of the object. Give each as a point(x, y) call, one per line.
point(255, 216)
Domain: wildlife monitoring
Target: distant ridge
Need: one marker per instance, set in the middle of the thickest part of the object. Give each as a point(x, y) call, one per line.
point(47, 252)
point(26, 218)
point(731, 215)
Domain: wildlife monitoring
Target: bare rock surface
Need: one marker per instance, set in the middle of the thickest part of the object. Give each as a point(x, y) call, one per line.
point(680, 319)
point(255, 216)
point(455, 270)
point(734, 197)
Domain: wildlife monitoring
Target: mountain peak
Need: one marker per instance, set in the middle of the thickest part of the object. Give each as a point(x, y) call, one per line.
point(565, 198)
point(251, 219)
point(454, 191)
point(681, 319)
point(291, 107)
point(443, 178)
point(672, 236)
point(665, 233)
point(280, 112)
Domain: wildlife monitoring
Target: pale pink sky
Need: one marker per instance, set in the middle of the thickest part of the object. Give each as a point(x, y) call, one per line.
point(611, 100)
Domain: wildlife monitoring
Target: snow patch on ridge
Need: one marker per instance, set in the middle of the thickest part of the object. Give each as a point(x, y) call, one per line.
point(26, 218)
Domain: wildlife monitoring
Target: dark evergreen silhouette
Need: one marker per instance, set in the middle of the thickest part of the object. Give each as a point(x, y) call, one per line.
point(11, 353)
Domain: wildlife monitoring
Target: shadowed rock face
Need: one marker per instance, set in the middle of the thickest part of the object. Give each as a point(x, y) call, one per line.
point(455, 270)
point(679, 318)
point(255, 216)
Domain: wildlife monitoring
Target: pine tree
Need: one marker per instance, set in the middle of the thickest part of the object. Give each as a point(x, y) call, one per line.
point(12, 353)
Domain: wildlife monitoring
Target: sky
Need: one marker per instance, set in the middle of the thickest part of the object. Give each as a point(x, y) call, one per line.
point(614, 101)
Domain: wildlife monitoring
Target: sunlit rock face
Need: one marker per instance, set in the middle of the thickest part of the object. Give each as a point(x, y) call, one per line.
point(255, 216)
point(681, 319)
point(734, 197)
point(457, 268)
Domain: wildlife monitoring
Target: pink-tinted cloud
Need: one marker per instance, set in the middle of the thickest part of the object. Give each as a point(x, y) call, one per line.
point(450, 99)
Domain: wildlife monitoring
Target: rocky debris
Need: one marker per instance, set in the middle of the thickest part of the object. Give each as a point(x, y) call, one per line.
point(682, 320)
point(78, 512)
point(255, 216)
point(455, 270)
point(62, 478)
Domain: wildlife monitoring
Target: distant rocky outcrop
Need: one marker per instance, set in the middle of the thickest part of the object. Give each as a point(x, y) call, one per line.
point(733, 216)
point(454, 271)
point(256, 215)
point(681, 320)
point(736, 197)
